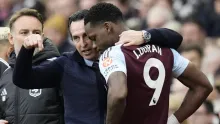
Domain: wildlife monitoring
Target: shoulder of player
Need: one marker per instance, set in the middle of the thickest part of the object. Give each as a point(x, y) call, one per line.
point(111, 52)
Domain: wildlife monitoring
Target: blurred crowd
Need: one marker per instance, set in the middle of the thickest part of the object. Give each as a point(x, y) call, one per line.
point(198, 21)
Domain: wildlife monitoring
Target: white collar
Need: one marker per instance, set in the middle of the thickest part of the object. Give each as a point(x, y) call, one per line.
point(88, 62)
point(3, 61)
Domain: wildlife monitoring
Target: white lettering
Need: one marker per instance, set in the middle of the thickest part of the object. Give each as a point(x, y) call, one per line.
point(141, 52)
point(136, 54)
point(154, 48)
point(159, 50)
point(147, 49)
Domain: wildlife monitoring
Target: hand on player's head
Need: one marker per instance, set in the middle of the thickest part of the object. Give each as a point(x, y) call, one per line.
point(130, 37)
point(33, 41)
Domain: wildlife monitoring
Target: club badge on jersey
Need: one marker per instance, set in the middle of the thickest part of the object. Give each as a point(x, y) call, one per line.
point(107, 61)
point(35, 92)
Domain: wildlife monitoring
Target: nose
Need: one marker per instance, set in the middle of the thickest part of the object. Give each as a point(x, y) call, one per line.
point(83, 42)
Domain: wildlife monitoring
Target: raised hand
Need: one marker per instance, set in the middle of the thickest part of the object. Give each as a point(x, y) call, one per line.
point(34, 41)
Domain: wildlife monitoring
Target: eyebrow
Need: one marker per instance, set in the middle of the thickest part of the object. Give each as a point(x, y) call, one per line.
point(28, 30)
point(35, 30)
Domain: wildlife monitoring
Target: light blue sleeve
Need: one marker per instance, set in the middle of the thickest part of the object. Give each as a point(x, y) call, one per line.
point(179, 65)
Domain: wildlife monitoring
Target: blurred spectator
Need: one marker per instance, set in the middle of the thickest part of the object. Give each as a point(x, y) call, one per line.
point(33, 4)
point(209, 15)
point(211, 60)
point(50, 6)
point(134, 23)
point(194, 53)
point(158, 16)
point(184, 8)
point(55, 28)
point(65, 7)
point(216, 101)
point(173, 25)
point(62, 7)
point(126, 8)
point(5, 10)
point(131, 14)
point(204, 115)
point(86, 4)
point(193, 33)
point(144, 6)
point(165, 3)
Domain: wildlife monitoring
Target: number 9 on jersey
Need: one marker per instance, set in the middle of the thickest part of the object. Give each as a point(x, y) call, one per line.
point(154, 84)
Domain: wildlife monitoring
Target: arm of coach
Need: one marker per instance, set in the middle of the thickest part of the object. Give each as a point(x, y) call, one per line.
point(161, 36)
point(27, 76)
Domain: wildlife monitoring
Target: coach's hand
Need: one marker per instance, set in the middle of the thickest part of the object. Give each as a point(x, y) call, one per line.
point(131, 37)
point(3, 122)
point(34, 41)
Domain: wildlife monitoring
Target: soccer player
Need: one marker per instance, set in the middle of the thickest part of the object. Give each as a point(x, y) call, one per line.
point(139, 77)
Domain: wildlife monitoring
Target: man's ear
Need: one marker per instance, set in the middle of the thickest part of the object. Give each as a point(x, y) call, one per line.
point(108, 26)
point(10, 39)
point(10, 50)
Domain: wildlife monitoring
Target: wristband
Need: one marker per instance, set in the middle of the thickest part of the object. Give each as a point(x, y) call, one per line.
point(172, 120)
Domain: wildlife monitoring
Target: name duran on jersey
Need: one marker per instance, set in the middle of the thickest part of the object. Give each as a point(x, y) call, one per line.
point(147, 49)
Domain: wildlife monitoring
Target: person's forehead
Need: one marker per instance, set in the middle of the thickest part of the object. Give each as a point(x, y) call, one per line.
point(27, 22)
point(77, 27)
point(90, 30)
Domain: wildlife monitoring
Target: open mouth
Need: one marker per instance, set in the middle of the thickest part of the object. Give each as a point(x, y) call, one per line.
point(86, 51)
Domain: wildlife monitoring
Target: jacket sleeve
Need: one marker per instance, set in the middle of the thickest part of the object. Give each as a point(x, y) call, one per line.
point(26, 76)
point(165, 37)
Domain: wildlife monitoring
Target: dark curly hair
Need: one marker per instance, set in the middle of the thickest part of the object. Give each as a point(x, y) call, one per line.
point(103, 12)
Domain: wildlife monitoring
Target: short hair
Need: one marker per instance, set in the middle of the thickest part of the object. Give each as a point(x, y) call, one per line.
point(25, 12)
point(79, 15)
point(103, 12)
point(4, 31)
point(195, 47)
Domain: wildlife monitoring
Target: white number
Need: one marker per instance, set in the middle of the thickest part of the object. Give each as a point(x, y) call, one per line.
point(157, 84)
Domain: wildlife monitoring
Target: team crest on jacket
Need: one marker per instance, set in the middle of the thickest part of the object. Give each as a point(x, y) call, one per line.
point(35, 92)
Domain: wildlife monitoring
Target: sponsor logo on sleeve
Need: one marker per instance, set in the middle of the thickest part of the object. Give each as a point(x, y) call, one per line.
point(110, 69)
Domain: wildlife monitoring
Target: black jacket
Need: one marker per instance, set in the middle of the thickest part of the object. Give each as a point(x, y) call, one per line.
point(36, 106)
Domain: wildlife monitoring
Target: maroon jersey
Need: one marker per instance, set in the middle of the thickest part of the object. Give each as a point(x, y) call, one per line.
point(149, 71)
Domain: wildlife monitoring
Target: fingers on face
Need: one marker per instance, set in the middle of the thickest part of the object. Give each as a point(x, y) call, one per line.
point(39, 42)
point(34, 41)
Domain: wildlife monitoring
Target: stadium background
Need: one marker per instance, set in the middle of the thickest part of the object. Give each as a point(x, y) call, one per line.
point(197, 20)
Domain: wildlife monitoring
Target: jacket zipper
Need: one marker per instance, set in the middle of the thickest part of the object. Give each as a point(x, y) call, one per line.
point(16, 105)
